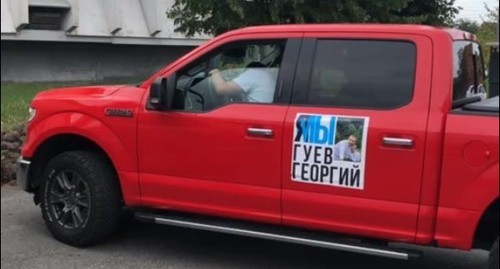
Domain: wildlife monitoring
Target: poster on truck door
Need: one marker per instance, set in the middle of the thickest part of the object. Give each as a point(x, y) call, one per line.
point(330, 150)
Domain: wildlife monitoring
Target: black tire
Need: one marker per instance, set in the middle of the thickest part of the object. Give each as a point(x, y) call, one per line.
point(493, 262)
point(80, 198)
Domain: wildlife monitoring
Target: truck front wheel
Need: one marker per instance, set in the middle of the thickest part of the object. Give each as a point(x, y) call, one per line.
point(80, 198)
point(493, 263)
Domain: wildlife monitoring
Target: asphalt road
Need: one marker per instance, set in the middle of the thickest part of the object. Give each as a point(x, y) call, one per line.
point(26, 243)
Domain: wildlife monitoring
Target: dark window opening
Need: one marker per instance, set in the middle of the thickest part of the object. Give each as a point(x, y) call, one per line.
point(493, 73)
point(363, 74)
point(46, 18)
point(468, 71)
point(246, 72)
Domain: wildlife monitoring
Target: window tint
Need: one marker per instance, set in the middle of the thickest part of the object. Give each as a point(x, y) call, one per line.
point(468, 71)
point(362, 73)
point(241, 72)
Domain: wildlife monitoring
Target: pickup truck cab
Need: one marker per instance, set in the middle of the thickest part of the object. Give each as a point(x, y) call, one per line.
point(302, 133)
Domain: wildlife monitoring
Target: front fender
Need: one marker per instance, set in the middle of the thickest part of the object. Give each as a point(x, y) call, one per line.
point(86, 126)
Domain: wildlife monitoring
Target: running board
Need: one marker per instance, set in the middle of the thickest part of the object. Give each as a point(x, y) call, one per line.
point(258, 231)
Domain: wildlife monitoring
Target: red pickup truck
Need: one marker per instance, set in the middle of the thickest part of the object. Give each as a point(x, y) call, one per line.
point(348, 137)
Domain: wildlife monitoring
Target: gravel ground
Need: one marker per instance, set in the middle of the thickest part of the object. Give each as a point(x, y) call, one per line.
point(26, 243)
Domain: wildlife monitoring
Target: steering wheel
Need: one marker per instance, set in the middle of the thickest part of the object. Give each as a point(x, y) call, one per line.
point(202, 88)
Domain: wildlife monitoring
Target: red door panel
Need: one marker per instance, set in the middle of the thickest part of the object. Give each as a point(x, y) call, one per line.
point(209, 163)
point(225, 160)
point(388, 203)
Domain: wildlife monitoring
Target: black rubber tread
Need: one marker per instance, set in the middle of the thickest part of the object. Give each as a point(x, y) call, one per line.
point(105, 195)
point(493, 261)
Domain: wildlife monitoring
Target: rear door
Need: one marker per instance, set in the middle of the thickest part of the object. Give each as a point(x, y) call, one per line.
point(355, 133)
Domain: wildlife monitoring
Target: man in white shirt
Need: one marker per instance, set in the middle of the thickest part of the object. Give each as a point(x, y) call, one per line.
point(256, 84)
point(343, 150)
point(355, 154)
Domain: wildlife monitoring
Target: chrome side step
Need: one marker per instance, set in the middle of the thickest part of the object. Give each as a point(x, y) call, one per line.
point(270, 235)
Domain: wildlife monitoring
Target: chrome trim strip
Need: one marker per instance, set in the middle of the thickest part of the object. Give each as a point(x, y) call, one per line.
point(392, 141)
point(23, 167)
point(23, 161)
point(260, 132)
point(282, 238)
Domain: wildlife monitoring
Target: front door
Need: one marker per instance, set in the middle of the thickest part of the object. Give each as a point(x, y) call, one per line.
point(355, 134)
point(219, 152)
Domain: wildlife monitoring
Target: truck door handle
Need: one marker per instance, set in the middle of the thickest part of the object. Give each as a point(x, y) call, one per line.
point(399, 142)
point(258, 132)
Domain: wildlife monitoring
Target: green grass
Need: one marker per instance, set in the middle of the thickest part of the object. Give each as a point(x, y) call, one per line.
point(15, 102)
point(16, 97)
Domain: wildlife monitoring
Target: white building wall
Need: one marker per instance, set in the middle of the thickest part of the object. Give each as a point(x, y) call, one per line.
point(6, 19)
point(60, 61)
point(98, 40)
point(134, 19)
point(14, 15)
point(89, 20)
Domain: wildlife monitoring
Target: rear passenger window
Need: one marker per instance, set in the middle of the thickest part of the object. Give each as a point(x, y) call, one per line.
point(468, 71)
point(362, 74)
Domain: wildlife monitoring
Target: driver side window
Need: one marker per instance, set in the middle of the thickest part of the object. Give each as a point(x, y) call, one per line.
point(241, 72)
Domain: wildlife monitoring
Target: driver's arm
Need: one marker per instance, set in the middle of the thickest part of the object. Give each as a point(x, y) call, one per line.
point(223, 87)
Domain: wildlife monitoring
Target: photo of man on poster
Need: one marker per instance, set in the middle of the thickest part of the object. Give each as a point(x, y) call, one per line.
point(346, 150)
point(349, 140)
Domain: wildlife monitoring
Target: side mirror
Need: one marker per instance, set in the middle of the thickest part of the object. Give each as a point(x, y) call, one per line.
point(161, 94)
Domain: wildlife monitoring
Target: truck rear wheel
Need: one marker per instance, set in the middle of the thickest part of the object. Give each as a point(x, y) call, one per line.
point(80, 198)
point(493, 263)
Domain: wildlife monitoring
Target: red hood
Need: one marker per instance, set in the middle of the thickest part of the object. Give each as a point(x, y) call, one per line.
point(79, 92)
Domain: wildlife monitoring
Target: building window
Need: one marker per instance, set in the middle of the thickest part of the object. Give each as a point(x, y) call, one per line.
point(46, 18)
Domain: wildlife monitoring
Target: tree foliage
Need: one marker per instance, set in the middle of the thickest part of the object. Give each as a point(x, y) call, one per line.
point(492, 14)
point(487, 32)
point(468, 25)
point(218, 16)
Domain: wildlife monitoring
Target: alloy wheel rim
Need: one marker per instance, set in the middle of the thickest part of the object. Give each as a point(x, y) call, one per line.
point(69, 199)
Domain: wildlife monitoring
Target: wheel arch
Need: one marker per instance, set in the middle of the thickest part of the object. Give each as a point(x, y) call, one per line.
point(56, 145)
point(487, 230)
point(78, 131)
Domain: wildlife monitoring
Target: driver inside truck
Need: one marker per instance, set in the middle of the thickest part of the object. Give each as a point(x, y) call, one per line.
point(257, 83)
